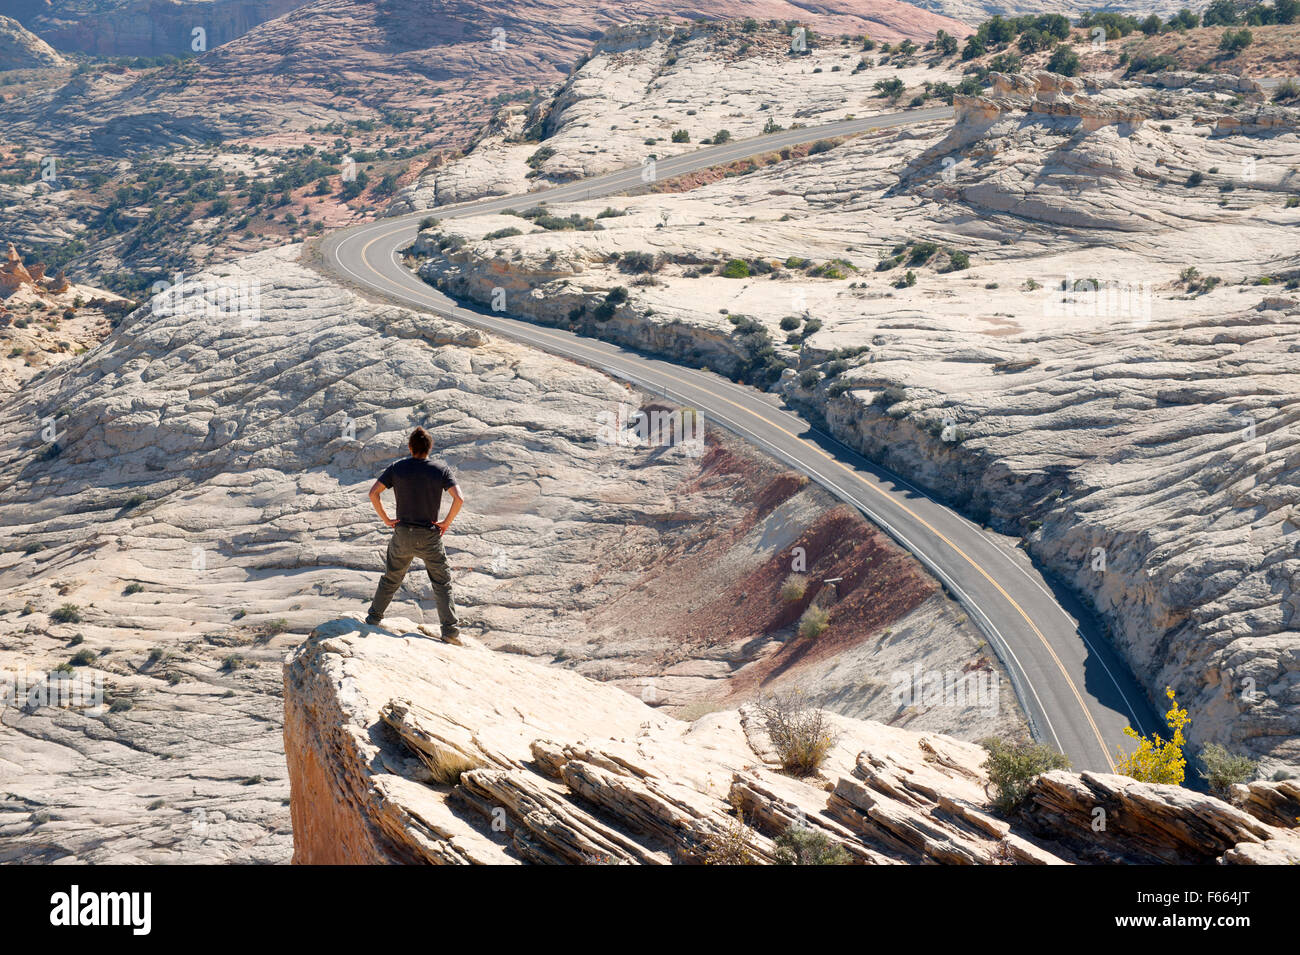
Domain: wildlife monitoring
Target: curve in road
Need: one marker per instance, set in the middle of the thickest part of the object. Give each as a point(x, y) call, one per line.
point(1077, 692)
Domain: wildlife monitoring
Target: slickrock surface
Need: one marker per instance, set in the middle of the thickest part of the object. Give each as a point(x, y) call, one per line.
point(643, 82)
point(182, 503)
point(402, 749)
point(1142, 438)
point(20, 49)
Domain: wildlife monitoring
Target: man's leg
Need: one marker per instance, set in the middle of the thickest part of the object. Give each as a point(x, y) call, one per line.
point(435, 563)
point(400, 553)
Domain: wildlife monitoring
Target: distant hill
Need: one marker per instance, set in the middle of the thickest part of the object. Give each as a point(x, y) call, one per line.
point(142, 27)
point(21, 49)
point(348, 60)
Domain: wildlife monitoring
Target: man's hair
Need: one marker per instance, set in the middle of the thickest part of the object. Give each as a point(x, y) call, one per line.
point(420, 442)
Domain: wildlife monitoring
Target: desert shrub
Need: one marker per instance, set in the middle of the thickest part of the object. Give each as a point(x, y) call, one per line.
point(1158, 760)
point(1150, 63)
point(639, 262)
point(1013, 765)
point(571, 222)
point(735, 269)
point(957, 260)
point(279, 625)
point(503, 233)
point(729, 846)
point(609, 212)
point(1222, 769)
point(809, 377)
point(1064, 60)
point(540, 156)
point(68, 613)
point(802, 845)
point(801, 734)
point(1286, 90)
point(133, 588)
point(1006, 63)
point(232, 662)
point(821, 146)
point(1234, 41)
point(795, 586)
point(722, 136)
point(83, 658)
point(615, 297)
point(681, 136)
point(811, 326)
point(907, 281)
point(921, 253)
point(891, 88)
point(790, 323)
point(813, 622)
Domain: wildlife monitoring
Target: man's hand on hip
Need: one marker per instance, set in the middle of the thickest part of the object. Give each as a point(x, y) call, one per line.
point(443, 527)
point(391, 522)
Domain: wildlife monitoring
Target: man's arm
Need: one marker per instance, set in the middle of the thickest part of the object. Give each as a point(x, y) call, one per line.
point(457, 499)
point(377, 489)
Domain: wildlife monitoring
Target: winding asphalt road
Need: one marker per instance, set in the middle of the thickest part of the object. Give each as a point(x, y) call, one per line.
point(1078, 693)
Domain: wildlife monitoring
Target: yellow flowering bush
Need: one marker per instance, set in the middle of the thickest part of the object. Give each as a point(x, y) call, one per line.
point(1158, 760)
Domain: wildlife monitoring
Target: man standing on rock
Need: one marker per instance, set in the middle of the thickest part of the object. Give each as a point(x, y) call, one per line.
point(418, 484)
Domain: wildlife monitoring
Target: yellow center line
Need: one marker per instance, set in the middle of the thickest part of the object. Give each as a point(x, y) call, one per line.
point(541, 331)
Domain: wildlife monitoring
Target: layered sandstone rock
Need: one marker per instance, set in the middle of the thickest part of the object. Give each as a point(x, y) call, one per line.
point(402, 749)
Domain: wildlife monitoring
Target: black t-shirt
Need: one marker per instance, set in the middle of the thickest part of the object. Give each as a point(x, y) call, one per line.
point(418, 484)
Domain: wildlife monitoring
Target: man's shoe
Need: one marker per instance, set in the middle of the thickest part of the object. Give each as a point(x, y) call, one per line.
point(453, 638)
point(373, 620)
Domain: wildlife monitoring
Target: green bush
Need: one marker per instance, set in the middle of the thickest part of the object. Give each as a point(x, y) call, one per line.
point(1013, 765)
point(503, 233)
point(639, 262)
point(1064, 60)
point(813, 623)
point(1222, 769)
point(795, 586)
point(735, 269)
point(801, 845)
point(790, 323)
point(681, 136)
point(68, 613)
point(1234, 41)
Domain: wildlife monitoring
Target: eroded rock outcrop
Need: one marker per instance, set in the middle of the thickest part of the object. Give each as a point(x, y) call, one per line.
point(403, 749)
point(20, 49)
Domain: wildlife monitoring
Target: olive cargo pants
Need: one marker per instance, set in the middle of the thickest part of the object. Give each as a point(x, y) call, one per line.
point(406, 544)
